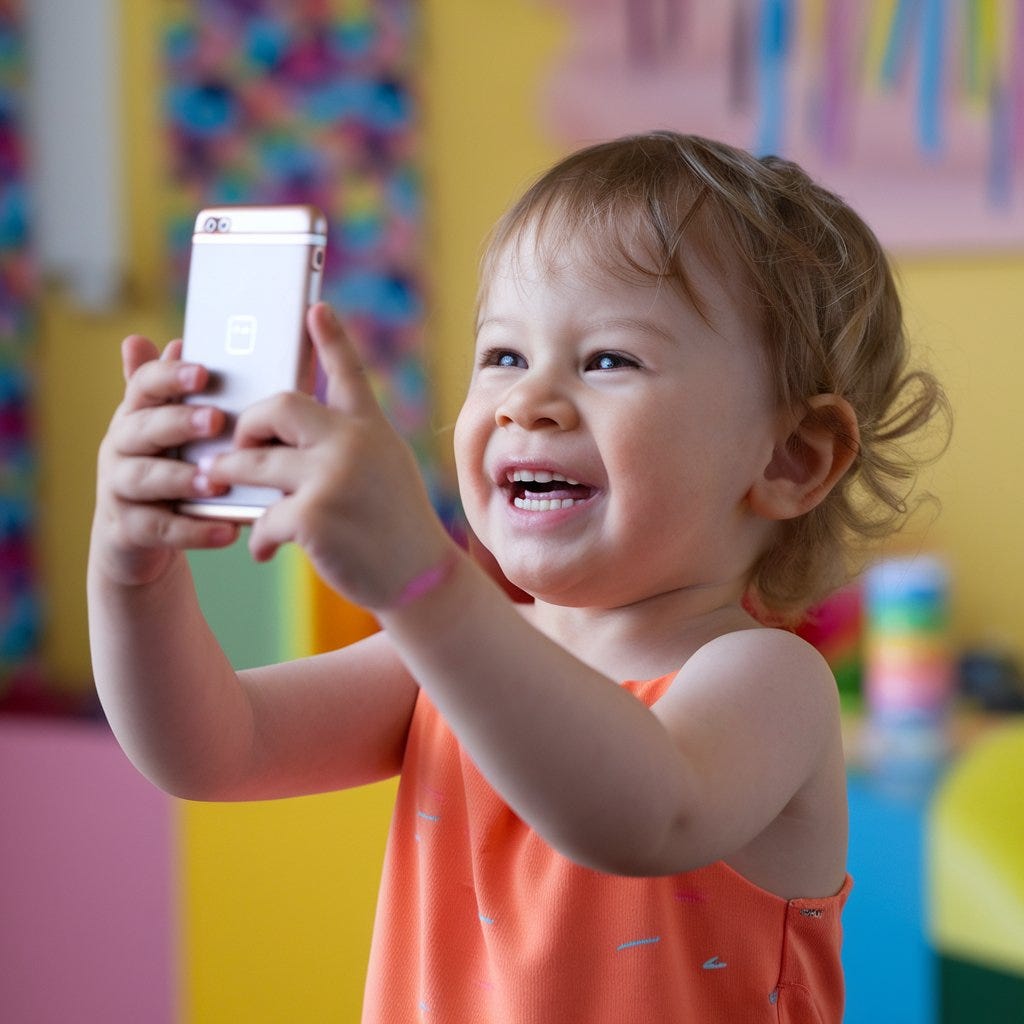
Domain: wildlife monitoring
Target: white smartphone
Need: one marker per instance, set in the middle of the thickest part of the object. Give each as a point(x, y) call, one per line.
point(254, 272)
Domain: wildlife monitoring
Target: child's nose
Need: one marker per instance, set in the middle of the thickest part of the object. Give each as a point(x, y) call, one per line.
point(536, 401)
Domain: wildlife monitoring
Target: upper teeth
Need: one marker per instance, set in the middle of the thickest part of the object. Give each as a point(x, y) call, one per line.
point(540, 476)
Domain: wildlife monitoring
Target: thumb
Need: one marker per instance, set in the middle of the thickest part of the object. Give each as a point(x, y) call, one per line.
point(348, 387)
point(135, 351)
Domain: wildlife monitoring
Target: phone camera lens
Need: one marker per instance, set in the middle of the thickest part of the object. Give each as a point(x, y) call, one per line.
point(224, 224)
point(210, 224)
point(318, 259)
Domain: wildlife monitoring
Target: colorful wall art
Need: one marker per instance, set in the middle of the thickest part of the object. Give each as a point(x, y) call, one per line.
point(20, 611)
point(911, 109)
point(312, 102)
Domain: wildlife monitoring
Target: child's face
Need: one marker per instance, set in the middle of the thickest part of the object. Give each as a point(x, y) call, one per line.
point(610, 434)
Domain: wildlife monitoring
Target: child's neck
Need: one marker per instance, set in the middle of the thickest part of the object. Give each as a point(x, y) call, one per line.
point(643, 640)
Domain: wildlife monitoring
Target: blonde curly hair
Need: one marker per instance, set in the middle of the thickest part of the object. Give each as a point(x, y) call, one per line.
point(821, 285)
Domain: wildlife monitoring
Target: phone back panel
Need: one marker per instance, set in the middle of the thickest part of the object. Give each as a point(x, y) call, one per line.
point(254, 272)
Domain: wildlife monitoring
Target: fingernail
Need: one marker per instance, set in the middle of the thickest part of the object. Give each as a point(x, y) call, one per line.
point(189, 376)
point(331, 317)
point(201, 484)
point(202, 420)
point(205, 464)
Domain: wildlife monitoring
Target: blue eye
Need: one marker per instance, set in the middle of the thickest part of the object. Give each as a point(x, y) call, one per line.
point(502, 357)
point(611, 361)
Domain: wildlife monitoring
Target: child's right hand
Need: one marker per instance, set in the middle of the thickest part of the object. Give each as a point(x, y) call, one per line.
point(136, 529)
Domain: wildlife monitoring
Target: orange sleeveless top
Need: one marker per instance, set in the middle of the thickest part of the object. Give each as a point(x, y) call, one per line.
point(479, 921)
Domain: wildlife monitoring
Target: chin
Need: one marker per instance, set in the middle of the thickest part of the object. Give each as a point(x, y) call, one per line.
point(550, 586)
point(483, 557)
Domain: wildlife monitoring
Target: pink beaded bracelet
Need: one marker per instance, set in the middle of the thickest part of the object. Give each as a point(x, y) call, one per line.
point(428, 580)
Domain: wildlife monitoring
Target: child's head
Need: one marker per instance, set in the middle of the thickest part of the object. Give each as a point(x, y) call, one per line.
point(812, 277)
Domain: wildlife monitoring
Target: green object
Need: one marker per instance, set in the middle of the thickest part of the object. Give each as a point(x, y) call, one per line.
point(848, 679)
point(911, 617)
point(973, 994)
point(241, 600)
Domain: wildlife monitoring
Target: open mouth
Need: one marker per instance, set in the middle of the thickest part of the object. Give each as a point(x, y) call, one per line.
point(540, 490)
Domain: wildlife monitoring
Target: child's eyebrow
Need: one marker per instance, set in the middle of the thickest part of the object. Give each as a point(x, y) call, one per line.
point(635, 324)
point(497, 321)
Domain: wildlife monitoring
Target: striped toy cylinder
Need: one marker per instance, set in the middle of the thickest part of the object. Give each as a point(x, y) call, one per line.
point(908, 664)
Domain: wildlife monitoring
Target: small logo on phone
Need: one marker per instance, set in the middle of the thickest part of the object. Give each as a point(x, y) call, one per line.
point(241, 340)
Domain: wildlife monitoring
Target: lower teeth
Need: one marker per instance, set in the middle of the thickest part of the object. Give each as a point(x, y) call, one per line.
point(543, 504)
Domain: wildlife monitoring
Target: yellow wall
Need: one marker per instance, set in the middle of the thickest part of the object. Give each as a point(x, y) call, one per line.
point(79, 384)
point(966, 316)
point(484, 63)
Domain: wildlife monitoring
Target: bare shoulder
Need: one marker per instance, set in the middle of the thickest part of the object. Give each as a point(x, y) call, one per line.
point(766, 688)
point(765, 641)
point(766, 664)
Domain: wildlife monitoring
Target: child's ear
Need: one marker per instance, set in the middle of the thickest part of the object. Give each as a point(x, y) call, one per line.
point(813, 454)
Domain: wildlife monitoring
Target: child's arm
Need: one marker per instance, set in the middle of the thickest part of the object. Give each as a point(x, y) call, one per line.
point(750, 720)
point(177, 707)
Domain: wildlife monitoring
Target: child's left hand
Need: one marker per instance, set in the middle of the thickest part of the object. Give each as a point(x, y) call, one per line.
point(354, 499)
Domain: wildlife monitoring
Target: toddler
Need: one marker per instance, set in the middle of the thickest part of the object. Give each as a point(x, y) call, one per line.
point(625, 800)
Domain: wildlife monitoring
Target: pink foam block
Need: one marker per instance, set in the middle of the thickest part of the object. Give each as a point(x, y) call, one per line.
point(86, 891)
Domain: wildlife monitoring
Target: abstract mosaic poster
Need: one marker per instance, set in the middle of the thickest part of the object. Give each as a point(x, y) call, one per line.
point(312, 102)
point(19, 600)
point(911, 109)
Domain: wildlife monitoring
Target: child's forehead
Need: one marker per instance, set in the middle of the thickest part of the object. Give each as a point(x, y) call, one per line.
point(559, 241)
point(533, 256)
point(599, 252)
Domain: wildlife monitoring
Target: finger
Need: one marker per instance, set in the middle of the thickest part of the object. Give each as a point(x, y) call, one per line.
point(135, 351)
point(279, 466)
point(153, 430)
point(172, 350)
point(157, 381)
point(153, 478)
point(348, 388)
point(271, 531)
point(159, 526)
point(291, 417)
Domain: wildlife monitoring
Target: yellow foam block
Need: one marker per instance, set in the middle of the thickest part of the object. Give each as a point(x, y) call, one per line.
point(977, 854)
point(277, 903)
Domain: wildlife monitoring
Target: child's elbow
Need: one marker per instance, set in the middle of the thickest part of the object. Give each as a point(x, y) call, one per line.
point(183, 783)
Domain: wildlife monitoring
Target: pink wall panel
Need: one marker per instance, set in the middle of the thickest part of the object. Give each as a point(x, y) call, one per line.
point(86, 885)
